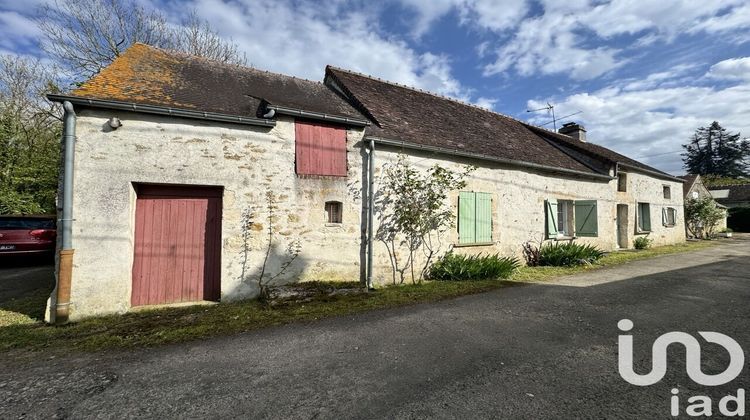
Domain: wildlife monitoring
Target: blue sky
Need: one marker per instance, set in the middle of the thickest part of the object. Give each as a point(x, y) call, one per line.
point(643, 74)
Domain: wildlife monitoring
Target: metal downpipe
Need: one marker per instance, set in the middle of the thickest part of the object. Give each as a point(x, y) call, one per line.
point(370, 211)
point(65, 273)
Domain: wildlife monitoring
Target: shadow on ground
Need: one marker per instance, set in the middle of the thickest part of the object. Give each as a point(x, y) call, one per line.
point(25, 285)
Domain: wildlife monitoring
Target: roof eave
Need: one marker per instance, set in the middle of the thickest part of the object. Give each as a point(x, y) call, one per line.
point(161, 110)
point(649, 172)
point(293, 112)
point(479, 156)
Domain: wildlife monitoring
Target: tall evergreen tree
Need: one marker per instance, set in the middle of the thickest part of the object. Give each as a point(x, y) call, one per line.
point(714, 151)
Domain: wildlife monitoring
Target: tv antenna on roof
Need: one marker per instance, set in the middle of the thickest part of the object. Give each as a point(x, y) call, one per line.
point(561, 118)
point(548, 108)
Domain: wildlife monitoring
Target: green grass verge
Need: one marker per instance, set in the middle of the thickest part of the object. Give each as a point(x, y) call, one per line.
point(21, 328)
point(162, 326)
point(535, 274)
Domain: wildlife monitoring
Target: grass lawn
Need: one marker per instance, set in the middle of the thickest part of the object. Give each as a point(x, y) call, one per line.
point(535, 274)
point(21, 326)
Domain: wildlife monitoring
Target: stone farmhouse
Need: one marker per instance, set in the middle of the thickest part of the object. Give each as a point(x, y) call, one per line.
point(170, 160)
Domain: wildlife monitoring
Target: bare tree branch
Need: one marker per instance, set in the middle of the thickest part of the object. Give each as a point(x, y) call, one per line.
point(84, 36)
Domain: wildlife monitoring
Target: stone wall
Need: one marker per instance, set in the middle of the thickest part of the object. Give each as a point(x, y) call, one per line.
point(518, 205)
point(250, 162)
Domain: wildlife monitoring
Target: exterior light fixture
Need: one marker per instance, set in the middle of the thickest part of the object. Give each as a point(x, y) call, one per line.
point(114, 123)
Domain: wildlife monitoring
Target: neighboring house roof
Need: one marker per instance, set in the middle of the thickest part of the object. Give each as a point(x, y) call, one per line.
point(152, 76)
point(688, 184)
point(415, 116)
point(730, 194)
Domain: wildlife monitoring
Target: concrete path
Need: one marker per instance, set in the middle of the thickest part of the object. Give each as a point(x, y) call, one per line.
point(656, 265)
point(532, 351)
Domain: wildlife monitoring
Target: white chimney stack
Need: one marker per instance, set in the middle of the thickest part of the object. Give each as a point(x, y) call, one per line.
point(573, 130)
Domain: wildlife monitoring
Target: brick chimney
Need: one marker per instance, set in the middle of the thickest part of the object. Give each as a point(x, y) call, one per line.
point(573, 130)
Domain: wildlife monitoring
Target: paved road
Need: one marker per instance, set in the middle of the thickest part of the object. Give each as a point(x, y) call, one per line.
point(534, 351)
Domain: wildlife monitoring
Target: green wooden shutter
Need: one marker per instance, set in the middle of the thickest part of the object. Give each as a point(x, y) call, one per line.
point(664, 220)
point(466, 217)
point(483, 217)
point(586, 219)
point(645, 216)
point(551, 209)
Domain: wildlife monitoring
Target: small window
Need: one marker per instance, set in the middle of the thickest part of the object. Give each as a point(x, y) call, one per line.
point(622, 182)
point(695, 195)
point(334, 212)
point(474, 218)
point(667, 192)
point(669, 216)
point(644, 217)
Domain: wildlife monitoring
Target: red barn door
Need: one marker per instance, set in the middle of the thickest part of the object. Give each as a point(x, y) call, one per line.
point(177, 244)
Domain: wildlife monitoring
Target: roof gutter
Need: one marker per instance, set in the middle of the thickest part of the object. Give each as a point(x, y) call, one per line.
point(318, 116)
point(449, 152)
point(161, 110)
point(649, 172)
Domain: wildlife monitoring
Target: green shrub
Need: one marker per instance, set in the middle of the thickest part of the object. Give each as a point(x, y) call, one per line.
point(642, 242)
point(560, 254)
point(458, 267)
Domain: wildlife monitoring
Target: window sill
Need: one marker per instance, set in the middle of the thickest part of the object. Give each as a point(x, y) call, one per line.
point(316, 176)
point(670, 226)
point(334, 224)
point(474, 244)
point(564, 238)
point(642, 232)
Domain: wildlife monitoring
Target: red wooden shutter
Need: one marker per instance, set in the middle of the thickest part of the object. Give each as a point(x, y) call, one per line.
point(320, 149)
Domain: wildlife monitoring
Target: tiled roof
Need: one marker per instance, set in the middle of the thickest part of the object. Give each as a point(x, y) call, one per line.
point(688, 184)
point(152, 76)
point(414, 116)
point(596, 150)
point(736, 193)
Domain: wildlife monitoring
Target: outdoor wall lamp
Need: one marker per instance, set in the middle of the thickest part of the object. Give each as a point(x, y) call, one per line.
point(114, 123)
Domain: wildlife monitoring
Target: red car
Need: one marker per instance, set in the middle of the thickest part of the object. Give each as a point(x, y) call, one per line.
point(27, 235)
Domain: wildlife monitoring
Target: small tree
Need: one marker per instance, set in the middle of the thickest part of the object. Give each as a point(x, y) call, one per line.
point(701, 216)
point(414, 212)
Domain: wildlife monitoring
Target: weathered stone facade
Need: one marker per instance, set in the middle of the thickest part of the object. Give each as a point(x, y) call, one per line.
point(250, 162)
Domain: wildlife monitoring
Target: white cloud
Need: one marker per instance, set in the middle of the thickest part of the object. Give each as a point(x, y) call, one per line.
point(653, 123)
point(18, 30)
point(486, 14)
point(574, 37)
point(549, 45)
point(487, 103)
point(300, 39)
point(731, 69)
